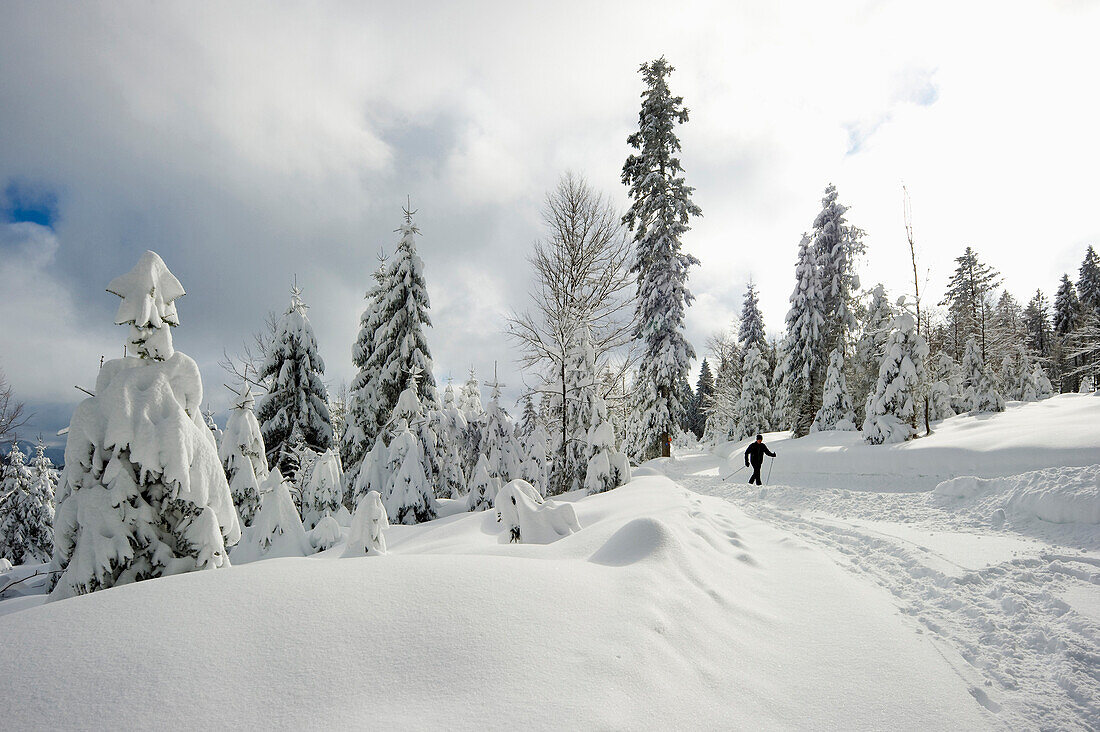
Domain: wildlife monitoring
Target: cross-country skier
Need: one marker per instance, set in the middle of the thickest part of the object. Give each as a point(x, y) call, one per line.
point(755, 453)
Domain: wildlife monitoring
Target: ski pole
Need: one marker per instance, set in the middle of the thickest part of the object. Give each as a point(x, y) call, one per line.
point(770, 465)
point(735, 472)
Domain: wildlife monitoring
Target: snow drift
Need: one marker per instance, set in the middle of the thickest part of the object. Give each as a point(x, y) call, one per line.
point(1058, 495)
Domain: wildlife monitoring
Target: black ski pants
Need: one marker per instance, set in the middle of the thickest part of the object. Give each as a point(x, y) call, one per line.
point(756, 473)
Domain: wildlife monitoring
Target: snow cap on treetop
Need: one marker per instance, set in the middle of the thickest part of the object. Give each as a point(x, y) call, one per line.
point(149, 293)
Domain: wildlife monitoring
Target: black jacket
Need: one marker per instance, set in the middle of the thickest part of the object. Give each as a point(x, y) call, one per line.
point(756, 452)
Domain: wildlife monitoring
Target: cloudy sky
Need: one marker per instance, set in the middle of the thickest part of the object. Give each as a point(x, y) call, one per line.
point(249, 143)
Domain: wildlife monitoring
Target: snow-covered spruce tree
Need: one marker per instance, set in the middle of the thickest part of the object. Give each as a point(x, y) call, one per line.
point(751, 332)
point(366, 414)
point(1038, 327)
point(208, 418)
point(946, 385)
point(891, 409)
point(870, 348)
point(243, 456)
point(366, 536)
point(483, 488)
point(805, 341)
point(1088, 281)
point(580, 410)
point(297, 400)
point(836, 245)
point(780, 418)
point(979, 387)
point(408, 496)
point(373, 473)
point(143, 493)
point(704, 398)
point(26, 508)
point(658, 218)
point(1044, 389)
point(606, 467)
point(1067, 318)
point(967, 300)
point(469, 402)
point(498, 445)
point(754, 404)
point(536, 464)
point(276, 529)
point(448, 427)
point(836, 411)
point(528, 421)
point(1015, 369)
point(1029, 380)
point(323, 493)
point(469, 399)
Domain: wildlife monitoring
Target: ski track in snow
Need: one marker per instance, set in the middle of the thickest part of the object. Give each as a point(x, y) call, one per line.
point(1028, 655)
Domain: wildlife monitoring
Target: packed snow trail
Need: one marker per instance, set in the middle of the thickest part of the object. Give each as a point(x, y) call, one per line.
point(1015, 615)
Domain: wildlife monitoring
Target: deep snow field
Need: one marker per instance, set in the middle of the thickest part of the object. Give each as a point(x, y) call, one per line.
point(852, 593)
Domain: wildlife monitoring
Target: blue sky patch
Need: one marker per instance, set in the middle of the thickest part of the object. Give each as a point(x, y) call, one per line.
point(25, 202)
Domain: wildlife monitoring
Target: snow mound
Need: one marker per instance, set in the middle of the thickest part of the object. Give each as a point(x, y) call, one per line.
point(1058, 495)
point(640, 540)
point(527, 518)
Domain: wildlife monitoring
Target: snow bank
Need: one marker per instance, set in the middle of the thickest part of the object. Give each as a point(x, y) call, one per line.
point(667, 611)
point(1059, 495)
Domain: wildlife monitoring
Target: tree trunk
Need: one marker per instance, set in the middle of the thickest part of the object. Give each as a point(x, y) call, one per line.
point(666, 445)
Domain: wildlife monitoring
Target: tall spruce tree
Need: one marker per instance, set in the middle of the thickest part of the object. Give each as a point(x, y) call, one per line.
point(754, 404)
point(836, 244)
point(967, 301)
point(243, 456)
point(1088, 281)
point(704, 396)
point(836, 411)
point(892, 409)
point(1037, 325)
point(1067, 318)
point(297, 400)
point(870, 348)
point(658, 218)
point(805, 341)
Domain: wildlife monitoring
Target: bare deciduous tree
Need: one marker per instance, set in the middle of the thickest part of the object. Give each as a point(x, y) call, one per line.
point(12, 413)
point(244, 366)
point(582, 275)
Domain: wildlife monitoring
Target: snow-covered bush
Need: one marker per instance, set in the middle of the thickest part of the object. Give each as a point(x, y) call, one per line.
point(527, 518)
point(26, 508)
point(143, 493)
point(276, 529)
point(482, 489)
point(367, 534)
point(323, 491)
point(836, 411)
point(326, 534)
point(243, 456)
point(891, 408)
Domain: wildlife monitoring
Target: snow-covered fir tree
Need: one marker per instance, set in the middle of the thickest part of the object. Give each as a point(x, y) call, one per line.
point(967, 300)
point(1040, 333)
point(408, 496)
point(1014, 372)
point(1043, 389)
point(836, 411)
point(946, 385)
point(836, 245)
point(483, 488)
point(805, 341)
point(871, 347)
point(208, 418)
point(979, 387)
point(297, 400)
point(1066, 319)
point(527, 422)
point(780, 418)
point(754, 404)
point(143, 493)
point(891, 409)
point(373, 474)
point(580, 411)
point(704, 399)
point(469, 399)
point(26, 507)
point(243, 456)
point(606, 467)
point(1088, 281)
point(323, 493)
point(658, 218)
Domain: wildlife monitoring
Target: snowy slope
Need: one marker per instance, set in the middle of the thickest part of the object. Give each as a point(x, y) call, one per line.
point(1061, 431)
point(667, 610)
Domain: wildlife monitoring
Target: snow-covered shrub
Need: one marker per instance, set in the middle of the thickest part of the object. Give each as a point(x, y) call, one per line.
point(891, 408)
point(323, 491)
point(276, 529)
point(836, 411)
point(367, 534)
point(326, 534)
point(527, 518)
point(243, 456)
point(143, 493)
point(482, 489)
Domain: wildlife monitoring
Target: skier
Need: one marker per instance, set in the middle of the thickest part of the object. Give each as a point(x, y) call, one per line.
point(756, 452)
